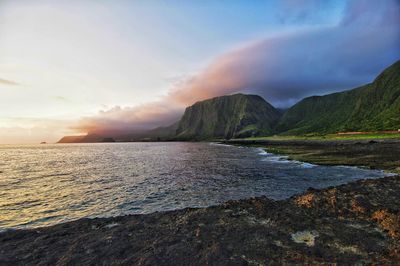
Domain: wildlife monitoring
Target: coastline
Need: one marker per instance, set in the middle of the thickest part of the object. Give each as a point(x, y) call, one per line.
point(383, 154)
point(358, 222)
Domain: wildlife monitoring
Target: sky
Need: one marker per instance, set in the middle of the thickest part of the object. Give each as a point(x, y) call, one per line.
point(73, 67)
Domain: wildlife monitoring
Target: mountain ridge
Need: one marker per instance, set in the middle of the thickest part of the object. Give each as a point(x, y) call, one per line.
point(371, 107)
point(237, 115)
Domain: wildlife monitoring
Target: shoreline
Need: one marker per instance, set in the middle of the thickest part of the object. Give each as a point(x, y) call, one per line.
point(358, 222)
point(383, 154)
point(353, 223)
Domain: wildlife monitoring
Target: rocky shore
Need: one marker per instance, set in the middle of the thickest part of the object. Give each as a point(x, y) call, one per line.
point(356, 223)
point(375, 154)
point(348, 224)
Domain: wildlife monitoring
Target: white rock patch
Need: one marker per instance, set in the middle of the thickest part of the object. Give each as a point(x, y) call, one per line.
point(305, 237)
point(108, 226)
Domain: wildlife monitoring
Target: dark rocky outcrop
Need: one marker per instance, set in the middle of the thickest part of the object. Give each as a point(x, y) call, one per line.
point(357, 223)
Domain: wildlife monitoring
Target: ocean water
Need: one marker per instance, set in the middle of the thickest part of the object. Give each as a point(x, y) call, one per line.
point(43, 185)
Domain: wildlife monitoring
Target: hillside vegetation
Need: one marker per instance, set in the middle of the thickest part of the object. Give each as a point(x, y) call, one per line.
point(227, 117)
point(372, 107)
point(369, 108)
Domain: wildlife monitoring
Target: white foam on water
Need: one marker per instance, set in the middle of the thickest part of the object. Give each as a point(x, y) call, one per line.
point(261, 151)
point(307, 165)
point(271, 157)
point(276, 159)
point(348, 166)
point(149, 177)
point(219, 144)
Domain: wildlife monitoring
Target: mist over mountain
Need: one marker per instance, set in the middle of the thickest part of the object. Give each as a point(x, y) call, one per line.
point(372, 107)
point(283, 68)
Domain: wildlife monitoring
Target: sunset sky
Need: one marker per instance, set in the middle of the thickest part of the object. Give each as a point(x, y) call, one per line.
point(72, 67)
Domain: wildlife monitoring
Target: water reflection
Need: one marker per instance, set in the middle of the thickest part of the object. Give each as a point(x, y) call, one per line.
point(43, 185)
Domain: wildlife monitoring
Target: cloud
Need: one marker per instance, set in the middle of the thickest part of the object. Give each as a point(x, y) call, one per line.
point(8, 82)
point(119, 121)
point(283, 69)
point(33, 130)
point(303, 11)
point(286, 68)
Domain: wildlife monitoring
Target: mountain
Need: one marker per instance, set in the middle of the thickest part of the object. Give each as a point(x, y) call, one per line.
point(375, 106)
point(90, 138)
point(230, 116)
point(156, 134)
point(372, 107)
point(71, 139)
point(227, 117)
point(162, 133)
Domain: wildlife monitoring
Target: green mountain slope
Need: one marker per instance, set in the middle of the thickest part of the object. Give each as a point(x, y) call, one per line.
point(236, 115)
point(375, 106)
point(158, 134)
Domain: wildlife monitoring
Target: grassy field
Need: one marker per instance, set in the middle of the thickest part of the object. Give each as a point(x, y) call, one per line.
point(367, 136)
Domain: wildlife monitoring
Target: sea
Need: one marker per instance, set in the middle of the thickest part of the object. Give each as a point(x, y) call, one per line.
point(42, 185)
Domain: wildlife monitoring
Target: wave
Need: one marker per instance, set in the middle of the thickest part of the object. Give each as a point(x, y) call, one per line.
point(271, 157)
point(262, 151)
point(220, 144)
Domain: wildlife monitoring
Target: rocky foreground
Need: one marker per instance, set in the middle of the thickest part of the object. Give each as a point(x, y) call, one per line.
point(354, 223)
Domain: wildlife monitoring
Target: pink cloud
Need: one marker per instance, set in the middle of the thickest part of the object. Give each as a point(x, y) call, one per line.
point(282, 69)
point(120, 120)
